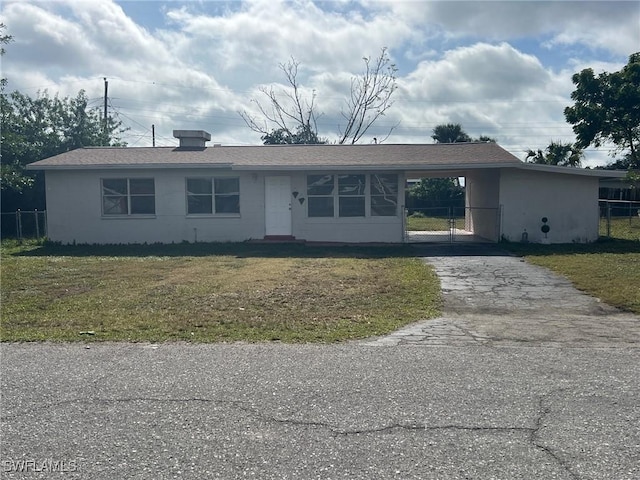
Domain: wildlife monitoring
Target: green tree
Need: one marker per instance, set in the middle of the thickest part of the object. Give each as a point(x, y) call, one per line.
point(557, 153)
point(41, 127)
point(284, 137)
point(453, 133)
point(4, 40)
point(607, 108)
point(435, 192)
point(450, 133)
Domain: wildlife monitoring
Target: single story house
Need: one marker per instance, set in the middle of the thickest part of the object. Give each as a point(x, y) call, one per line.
point(315, 193)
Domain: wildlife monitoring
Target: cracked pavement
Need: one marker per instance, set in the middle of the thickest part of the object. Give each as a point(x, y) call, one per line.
point(466, 396)
point(492, 298)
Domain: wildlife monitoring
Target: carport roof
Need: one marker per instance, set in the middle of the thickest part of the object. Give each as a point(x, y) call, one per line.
point(288, 157)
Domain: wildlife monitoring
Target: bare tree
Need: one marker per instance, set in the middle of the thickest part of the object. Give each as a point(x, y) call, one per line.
point(370, 97)
point(290, 117)
point(292, 122)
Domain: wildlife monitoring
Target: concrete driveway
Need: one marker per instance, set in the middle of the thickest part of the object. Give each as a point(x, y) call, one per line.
point(467, 396)
point(493, 298)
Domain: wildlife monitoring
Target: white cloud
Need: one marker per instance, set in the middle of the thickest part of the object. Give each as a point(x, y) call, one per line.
point(608, 25)
point(481, 64)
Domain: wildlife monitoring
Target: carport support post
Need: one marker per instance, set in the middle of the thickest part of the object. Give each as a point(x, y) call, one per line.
point(608, 220)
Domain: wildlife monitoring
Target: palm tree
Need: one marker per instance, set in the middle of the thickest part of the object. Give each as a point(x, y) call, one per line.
point(557, 153)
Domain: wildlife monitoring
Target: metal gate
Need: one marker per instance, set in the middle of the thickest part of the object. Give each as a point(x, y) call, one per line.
point(452, 224)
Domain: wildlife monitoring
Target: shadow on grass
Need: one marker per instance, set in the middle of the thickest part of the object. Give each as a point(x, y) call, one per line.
point(311, 250)
point(239, 250)
point(604, 245)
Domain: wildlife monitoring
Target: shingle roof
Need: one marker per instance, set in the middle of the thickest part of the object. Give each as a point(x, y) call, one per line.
point(386, 156)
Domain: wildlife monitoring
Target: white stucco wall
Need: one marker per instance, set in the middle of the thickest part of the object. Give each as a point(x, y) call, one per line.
point(482, 216)
point(74, 212)
point(570, 202)
point(351, 230)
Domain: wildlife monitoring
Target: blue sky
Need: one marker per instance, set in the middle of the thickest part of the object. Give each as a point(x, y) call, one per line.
point(500, 68)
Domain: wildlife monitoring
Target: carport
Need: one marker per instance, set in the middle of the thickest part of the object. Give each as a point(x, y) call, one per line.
point(516, 203)
point(478, 221)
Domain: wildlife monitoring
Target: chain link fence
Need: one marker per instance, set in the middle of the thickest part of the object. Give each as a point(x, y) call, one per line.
point(23, 224)
point(620, 219)
point(452, 224)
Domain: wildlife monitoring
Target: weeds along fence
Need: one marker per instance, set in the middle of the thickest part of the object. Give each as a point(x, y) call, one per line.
point(620, 219)
point(23, 224)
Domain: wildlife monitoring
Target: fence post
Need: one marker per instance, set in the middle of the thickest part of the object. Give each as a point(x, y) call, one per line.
point(19, 224)
point(452, 224)
point(608, 220)
point(35, 212)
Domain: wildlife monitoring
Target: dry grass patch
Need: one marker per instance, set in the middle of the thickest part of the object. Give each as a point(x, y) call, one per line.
point(178, 293)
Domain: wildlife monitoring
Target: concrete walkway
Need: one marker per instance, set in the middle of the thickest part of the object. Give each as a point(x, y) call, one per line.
point(494, 298)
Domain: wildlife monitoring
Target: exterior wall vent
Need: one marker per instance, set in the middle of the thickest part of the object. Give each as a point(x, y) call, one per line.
point(192, 138)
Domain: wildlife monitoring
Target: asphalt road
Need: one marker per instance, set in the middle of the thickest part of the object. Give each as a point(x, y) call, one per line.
point(523, 377)
point(121, 411)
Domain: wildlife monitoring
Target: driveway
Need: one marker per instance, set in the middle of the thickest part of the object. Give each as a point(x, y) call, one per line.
point(485, 399)
point(493, 298)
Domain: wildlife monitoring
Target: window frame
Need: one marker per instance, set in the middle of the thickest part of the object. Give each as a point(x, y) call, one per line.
point(382, 195)
point(129, 197)
point(213, 196)
point(361, 194)
point(325, 196)
point(365, 193)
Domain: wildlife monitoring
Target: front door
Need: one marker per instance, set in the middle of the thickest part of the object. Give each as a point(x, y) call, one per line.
point(277, 200)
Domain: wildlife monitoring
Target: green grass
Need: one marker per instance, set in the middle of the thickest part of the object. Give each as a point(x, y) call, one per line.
point(627, 228)
point(421, 223)
point(608, 269)
point(211, 293)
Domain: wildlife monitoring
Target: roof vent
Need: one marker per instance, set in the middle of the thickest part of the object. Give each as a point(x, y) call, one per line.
point(192, 138)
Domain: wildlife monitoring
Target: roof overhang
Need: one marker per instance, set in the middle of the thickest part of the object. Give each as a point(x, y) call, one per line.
point(134, 166)
point(370, 167)
point(586, 172)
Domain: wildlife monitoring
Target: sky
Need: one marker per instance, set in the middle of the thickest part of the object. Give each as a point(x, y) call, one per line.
point(498, 68)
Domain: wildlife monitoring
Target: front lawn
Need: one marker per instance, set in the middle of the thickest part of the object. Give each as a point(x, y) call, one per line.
point(608, 269)
point(211, 293)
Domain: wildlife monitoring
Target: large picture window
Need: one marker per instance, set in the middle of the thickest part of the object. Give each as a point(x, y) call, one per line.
point(128, 196)
point(343, 192)
point(345, 195)
point(384, 195)
point(218, 195)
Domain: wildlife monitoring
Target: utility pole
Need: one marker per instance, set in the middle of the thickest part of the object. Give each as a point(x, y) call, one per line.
point(106, 89)
point(153, 134)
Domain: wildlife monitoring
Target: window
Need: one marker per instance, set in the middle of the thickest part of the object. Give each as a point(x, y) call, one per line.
point(347, 194)
point(351, 192)
point(320, 190)
point(227, 195)
point(325, 192)
point(128, 196)
point(384, 195)
point(213, 195)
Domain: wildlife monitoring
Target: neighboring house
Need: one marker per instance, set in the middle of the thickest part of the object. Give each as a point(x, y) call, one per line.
point(315, 193)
